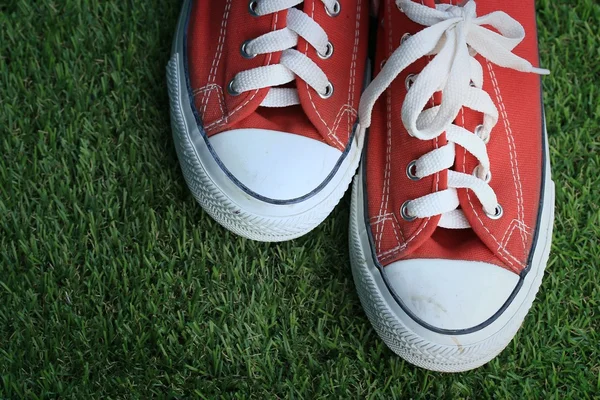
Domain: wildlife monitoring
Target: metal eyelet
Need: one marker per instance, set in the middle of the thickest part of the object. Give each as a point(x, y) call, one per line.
point(410, 79)
point(231, 90)
point(244, 50)
point(485, 136)
point(328, 91)
point(477, 173)
point(404, 38)
point(328, 52)
point(411, 170)
point(252, 7)
point(404, 212)
point(498, 212)
point(337, 8)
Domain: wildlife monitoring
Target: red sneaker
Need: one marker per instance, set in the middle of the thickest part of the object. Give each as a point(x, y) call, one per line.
point(264, 97)
point(453, 207)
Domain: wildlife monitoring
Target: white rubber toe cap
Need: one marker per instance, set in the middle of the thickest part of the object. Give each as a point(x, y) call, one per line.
point(275, 165)
point(448, 294)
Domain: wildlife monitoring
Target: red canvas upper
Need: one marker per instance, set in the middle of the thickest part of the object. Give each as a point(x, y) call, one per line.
point(216, 32)
point(515, 152)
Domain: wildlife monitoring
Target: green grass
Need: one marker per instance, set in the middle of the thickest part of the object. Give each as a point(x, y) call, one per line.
point(115, 284)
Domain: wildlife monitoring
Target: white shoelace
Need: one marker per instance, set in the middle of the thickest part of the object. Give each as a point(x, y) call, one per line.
point(293, 63)
point(454, 35)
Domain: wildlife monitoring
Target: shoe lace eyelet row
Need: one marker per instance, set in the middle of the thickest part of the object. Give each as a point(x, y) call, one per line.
point(497, 214)
point(411, 167)
point(253, 11)
point(337, 9)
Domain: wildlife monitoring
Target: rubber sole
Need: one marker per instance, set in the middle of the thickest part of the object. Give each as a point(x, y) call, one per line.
point(423, 347)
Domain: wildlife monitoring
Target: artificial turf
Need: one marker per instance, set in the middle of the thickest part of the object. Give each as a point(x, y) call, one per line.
point(115, 284)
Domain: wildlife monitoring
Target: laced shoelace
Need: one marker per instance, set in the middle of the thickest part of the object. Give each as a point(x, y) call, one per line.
point(454, 35)
point(293, 63)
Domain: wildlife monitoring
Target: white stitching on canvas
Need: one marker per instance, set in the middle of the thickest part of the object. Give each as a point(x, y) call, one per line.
point(520, 228)
point(223, 120)
point(391, 253)
point(396, 226)
point(387, 175)
point(464, 162)
point(387, 217)
point(338, 119)
point(332, 131)
point(218, 54)
point(345, 109)
point(520, 223)
point(513, 153)
point(505, 238)
point(353, 64)
point(509, 231)
point(382, 219)
point(388, 156)
point(379, 218)
point(211, 88)
point(500, 247)
point(504, 252)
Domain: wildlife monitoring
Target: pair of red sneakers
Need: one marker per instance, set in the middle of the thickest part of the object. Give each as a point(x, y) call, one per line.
point(452, 208)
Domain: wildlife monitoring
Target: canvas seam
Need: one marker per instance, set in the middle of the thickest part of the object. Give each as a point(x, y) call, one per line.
point(512, 150)
point(211, 88)
point(343, 110)
point(401, 244)
point(218, 54)
point(388, 157)
point(223, 120)
point(520, 228)
point(391, 253)
point(353, 64)
point(503, 252)
point(515, 223)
